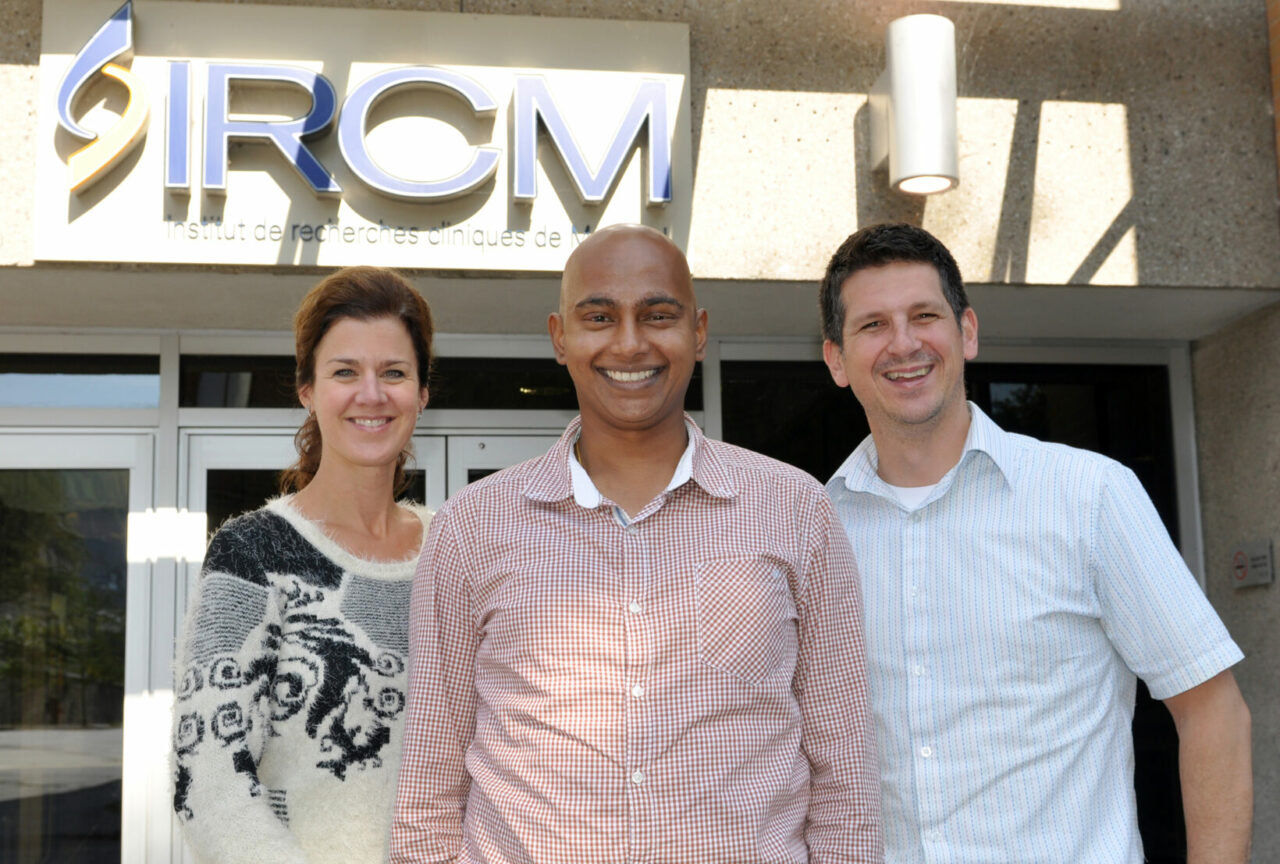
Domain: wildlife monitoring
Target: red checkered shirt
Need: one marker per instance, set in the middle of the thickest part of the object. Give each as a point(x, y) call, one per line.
point(684, 686)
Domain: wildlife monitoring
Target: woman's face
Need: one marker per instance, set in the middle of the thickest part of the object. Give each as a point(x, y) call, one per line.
point(366, 394)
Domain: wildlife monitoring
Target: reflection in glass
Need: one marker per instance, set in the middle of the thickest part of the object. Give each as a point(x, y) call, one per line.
point(79, 381)
point(62, 617)
point(236, 381)
point(1065, 413)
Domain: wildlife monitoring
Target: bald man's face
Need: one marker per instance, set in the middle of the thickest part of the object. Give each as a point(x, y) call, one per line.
point(628, 330)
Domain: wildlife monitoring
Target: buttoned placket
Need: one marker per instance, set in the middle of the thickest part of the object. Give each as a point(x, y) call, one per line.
point(637, 571)
point(922, 699)
point(916, 604)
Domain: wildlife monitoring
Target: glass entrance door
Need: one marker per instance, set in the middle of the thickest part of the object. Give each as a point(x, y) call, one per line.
point(474, 456)
point(74, 634)
point(228, 473)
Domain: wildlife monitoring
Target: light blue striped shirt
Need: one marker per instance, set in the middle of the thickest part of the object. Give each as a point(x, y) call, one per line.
point(1006, 619)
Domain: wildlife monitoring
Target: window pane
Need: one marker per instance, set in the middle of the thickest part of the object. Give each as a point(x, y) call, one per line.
point(791, 411)
point(232, 491)
point(474, 383)
point(79, 381)
point(234, 381)
point(514, 383)
point(62, 613)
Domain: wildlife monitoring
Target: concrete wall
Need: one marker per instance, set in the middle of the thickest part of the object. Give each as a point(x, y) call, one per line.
point(1115, 146)
point(1237, 418)
point(1273, 30)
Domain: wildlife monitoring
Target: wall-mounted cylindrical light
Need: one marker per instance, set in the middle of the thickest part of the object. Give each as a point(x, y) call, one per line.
point(913, 106)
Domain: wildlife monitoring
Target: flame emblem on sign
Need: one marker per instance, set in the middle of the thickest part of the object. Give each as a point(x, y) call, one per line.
point(113, 41)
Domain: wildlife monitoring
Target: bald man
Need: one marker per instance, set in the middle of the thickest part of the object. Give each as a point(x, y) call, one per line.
point(644, 646)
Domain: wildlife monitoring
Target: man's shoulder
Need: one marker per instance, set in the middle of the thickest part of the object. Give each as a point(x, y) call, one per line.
point(498, 489)
point(1033, 458)
point(756, 469)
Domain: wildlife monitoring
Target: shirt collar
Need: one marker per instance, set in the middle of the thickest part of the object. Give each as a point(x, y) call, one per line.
point(554, 477)
point(587, 495)
point(858, 473)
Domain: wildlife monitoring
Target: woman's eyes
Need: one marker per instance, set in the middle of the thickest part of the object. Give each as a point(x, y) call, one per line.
point(396, 374)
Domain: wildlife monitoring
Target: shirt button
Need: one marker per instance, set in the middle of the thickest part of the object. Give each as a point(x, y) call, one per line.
point(637, 778)
point(918, 670)
point(926, 751)
point(634, 608)
point(632, 528)
point(637, 691)
point(933, 834)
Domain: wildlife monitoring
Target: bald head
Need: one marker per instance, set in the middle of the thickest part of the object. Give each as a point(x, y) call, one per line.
point(625, 251)
point(628, 330)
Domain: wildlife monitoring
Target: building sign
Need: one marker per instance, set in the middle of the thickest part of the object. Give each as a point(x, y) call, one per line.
point(1252, 563)
point(200, 133)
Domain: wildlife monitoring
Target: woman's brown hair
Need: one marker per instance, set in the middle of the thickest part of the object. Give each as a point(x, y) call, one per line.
point(365, 294)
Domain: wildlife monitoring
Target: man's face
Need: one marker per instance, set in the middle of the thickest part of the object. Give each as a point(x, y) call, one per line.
point(628, 330)
point(901, 352)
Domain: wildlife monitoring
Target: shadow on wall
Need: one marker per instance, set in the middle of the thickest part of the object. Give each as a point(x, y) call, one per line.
point(1183, 90)
point(877, 200)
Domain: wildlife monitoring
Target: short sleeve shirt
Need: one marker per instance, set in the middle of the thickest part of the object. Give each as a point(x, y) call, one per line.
point(1006, 620)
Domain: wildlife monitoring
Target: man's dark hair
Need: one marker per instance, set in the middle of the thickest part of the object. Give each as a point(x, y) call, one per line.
point(876, 246)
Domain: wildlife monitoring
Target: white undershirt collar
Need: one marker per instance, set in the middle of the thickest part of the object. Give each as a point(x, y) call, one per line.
point(912, 497)
point(585, 493)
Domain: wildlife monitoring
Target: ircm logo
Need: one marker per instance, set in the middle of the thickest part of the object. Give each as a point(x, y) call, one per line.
point(113, 41)
point(534, 108)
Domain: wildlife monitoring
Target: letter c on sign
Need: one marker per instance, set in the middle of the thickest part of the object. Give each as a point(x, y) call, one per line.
point(355, 116)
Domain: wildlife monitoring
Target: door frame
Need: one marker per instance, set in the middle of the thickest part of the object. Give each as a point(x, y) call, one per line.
point(261, 448)
point(145, 715)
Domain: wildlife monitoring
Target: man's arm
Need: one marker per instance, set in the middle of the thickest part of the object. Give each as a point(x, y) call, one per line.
point(1214, 755)
point(1159, 620)
point(441, 713)
point(831, 686)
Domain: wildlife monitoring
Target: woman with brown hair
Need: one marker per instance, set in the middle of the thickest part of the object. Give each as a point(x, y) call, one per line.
point(293, 667)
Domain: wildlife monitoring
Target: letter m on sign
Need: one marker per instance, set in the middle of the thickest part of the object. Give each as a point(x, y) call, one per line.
point(533, 103)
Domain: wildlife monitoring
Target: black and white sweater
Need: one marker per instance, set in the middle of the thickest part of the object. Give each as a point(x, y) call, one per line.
point(291, 685)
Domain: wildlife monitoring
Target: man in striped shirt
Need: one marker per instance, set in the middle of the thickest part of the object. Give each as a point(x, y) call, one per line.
point(644, 646)
point(1013, 589)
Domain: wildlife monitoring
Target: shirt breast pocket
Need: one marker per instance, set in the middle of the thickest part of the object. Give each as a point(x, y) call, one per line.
point(746, 619)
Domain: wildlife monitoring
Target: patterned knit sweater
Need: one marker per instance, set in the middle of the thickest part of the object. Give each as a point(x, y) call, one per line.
point(290, 690)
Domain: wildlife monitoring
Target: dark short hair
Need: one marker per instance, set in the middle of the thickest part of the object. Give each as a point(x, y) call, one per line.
point(876, 246)
point(365, 294)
